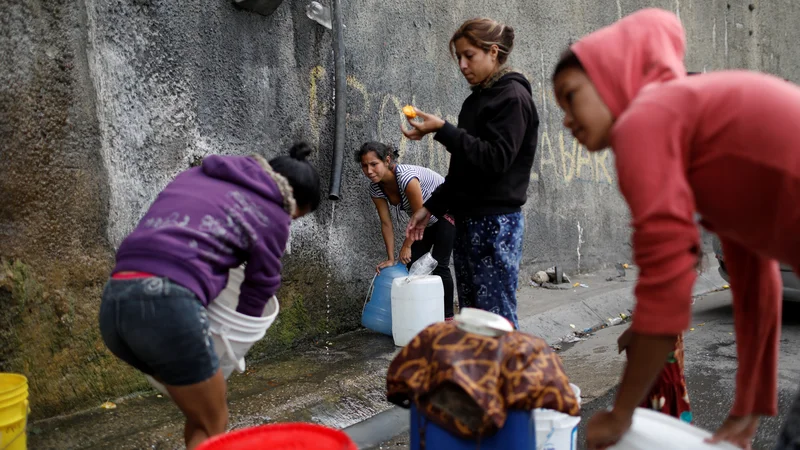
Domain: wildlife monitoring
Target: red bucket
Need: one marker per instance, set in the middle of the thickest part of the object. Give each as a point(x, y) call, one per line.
point(281, 436)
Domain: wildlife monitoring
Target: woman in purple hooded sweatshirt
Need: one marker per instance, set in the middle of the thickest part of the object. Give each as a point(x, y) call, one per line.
point(228, 211)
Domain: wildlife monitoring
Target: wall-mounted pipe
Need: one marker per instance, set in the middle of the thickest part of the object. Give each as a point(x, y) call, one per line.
point(263, 7)
point(340, 101)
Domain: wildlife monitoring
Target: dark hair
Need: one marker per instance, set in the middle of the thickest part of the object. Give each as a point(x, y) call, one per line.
point(302, 176)
point(484, 33)
point(567, 60)
point(382, 150)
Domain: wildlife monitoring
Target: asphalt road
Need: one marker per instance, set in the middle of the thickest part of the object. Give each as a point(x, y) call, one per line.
point(594, 365)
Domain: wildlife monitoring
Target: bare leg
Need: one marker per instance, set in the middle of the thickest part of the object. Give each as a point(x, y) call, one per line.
point(205, 407)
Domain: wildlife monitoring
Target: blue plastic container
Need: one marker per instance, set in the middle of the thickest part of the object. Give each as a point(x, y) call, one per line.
point(518, 433)
point(377, 315)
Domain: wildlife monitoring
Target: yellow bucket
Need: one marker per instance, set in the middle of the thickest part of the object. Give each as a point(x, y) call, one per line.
point(13, 411)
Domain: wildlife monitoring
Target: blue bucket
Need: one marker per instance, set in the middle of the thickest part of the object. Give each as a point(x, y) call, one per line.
point(377, 313)
point(519, 433)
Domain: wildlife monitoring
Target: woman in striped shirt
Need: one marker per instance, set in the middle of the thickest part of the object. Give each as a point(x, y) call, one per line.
point(405, 188)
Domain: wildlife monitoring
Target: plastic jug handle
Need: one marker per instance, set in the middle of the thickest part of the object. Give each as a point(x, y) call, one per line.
point(369, 292)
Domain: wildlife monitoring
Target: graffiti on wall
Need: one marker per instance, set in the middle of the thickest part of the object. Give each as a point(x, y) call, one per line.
point(559, 156)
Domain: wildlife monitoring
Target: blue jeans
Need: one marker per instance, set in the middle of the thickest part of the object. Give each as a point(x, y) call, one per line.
point(159, 328)
point(486, 256)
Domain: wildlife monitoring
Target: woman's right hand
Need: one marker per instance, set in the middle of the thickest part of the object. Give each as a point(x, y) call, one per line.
point(417, 224)
point(384, 264)
point(419, 129)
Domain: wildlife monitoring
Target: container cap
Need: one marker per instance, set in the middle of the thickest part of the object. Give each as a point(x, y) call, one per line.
point(478, 321)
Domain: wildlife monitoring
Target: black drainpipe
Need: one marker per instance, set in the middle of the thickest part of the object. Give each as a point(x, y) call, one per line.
point(340, 101)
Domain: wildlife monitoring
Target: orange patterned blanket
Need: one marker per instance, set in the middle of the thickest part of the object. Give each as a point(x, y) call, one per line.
point(467, 383)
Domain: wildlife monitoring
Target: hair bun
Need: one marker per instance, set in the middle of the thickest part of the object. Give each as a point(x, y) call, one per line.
point(300, 151)
point(509, 36)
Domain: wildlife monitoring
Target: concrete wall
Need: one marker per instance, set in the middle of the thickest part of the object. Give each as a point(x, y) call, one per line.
point(104, 101)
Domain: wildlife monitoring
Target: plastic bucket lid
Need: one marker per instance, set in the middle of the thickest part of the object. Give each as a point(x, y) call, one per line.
point(482, 322)
point(283, 436)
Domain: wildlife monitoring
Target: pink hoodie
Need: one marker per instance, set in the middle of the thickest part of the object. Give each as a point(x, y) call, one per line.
point(724, 145)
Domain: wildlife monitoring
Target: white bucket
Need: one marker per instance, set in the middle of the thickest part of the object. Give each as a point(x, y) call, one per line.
point(233, 333)
point(555, 430)
point(652, 430)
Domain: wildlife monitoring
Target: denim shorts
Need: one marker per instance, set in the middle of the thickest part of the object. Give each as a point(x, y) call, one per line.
point(159, 328)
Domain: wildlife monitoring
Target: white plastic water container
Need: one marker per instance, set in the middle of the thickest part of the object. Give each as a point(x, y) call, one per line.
point(233, 333)
point(652, 430)
point(416, 303)
point(555, 430)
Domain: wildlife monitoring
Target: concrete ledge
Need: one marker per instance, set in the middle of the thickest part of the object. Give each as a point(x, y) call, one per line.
point(379, 428)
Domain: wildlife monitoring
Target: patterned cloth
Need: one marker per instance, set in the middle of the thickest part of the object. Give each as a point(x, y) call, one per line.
point(789, 438)
point(486, 256)
point(669, 394)
point(466, 383)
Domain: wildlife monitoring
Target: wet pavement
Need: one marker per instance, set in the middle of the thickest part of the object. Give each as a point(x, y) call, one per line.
point(338, 387)
point(595, 366)
point(341, 383)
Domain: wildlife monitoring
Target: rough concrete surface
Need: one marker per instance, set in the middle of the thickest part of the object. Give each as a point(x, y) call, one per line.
point(102, 102)
point(54, 254)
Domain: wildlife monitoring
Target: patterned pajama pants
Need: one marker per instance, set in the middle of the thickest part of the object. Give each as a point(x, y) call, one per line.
point(486, 256)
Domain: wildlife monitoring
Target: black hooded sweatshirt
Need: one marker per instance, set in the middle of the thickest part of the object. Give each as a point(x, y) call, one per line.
point(492, 151)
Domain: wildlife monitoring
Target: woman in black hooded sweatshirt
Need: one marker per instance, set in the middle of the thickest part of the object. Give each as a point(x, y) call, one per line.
point(492, 150)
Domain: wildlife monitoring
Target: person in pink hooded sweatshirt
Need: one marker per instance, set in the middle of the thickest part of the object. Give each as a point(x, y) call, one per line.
point(723, 145)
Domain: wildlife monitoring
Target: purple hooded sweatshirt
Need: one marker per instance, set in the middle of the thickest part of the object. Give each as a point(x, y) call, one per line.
point(212, 218)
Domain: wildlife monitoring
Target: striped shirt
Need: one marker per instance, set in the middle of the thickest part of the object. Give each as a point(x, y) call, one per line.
point(428, 182)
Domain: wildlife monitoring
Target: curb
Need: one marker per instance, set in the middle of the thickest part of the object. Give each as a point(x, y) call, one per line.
point(553, 325)
point(379, 428)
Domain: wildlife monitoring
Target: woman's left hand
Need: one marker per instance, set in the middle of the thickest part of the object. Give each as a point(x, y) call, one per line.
point(429, 124)
point(606, 429)
point(405, 255)
point(739, 431)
